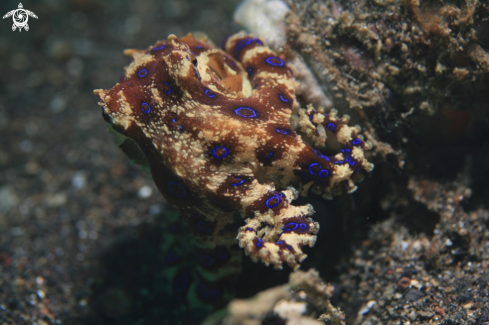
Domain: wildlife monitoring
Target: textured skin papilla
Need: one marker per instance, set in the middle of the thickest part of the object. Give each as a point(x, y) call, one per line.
point(217, 130)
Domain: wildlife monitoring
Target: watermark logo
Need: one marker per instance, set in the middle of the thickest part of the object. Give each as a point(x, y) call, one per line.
point(20, 17)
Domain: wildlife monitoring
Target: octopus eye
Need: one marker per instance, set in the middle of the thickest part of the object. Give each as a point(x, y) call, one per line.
point(323, 173)
point(331, 127)
point(220, 152)
point(207, 260)
point(209, 93)
point(143, 72)
point(245, 112)
point(181, 282)
point(202, 226)
point(159, 48)
point(291, 226)
point(176, 189)
point(272, 202)
point(275, 61)
point(145, 107)
point(194, 62)
point(356, 141)
point(284, 99)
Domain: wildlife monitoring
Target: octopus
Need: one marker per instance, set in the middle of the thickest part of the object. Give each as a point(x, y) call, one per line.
point(223, 134)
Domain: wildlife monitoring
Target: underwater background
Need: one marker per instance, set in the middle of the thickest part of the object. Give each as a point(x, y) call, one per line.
point(86, 238)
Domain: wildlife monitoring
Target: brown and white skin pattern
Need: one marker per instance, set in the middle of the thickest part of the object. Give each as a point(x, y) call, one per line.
point(218, 129)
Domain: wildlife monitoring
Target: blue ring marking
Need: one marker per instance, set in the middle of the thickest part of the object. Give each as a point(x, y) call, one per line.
point(171, 257)
point(143, 73)
point(310, 117)
point(339, 162)
point(323, 173)
point(222, 155)
point(148, 108)
point(284, 99)
point(169, 88)
point(159, 48)
point(241, 44)
point(174, 121)
point(202, 290)
point(270, 206)
point(350, 160)
point(209, 93)
point(331, 127)
point(270, 154)
point(247, 109)
point(347, 151)
point(179, 187)
point(260, 242)
point(202, 226)
point(280, 242)
point(245, 42)
point(279, 194)
point(241, 181)
point(356, 141)
point(293, 224)
point(271, 60)
point(319, 153)
point(303, 226)
point(250, 229)
point(181, 282)
point(229, 61)
point(207, 260)
point(312, 165)
point(305, 177)
point(282, 131)
point(223, 255)
point(199, 47)
point(215, 294)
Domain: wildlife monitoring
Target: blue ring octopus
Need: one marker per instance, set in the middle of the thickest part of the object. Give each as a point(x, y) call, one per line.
point(223, 134)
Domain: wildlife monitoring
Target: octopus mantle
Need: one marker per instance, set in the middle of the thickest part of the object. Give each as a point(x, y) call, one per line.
point(223, 134)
